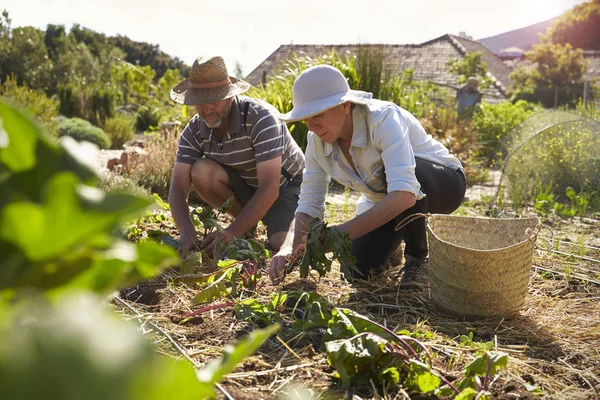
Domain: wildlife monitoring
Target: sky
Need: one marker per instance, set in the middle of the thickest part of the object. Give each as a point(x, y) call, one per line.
point(247, 32)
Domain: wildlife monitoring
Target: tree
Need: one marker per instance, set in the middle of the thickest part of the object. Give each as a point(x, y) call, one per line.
point(579, 27)
point(549, 66)
point(4, 45)
point(27, 59)
point(470, 65)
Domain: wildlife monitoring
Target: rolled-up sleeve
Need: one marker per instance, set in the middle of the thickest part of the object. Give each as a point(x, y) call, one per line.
point(393, 138)
point(314, 183)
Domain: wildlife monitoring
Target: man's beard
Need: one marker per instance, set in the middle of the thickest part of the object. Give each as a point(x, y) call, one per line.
point(217, 123)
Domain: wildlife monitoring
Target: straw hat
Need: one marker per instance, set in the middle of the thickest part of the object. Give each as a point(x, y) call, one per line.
point(320, 88)
point(208, 83)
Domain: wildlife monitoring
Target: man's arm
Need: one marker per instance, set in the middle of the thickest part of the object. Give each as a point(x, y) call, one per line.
point(269, 175)
point(178, 195)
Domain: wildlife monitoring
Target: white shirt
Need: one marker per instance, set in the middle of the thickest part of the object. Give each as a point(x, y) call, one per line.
point(385, 141)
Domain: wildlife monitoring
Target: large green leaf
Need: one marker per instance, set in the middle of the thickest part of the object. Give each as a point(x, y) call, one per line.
point(123, 264)
point(362, 359)
point(48, 230)
point(215, 370)
point(346, 323)
point(18, 137)
point(79, 349)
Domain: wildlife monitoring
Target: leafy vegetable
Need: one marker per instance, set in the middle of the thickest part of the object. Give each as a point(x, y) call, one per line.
point(321, 240)
point(261, 314)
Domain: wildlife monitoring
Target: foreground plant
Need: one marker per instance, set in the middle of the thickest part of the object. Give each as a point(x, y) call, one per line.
point(60, 244)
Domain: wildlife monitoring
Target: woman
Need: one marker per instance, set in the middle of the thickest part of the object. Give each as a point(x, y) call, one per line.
point(379, 150)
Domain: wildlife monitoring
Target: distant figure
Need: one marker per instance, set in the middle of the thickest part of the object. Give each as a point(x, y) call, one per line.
point(468, 97)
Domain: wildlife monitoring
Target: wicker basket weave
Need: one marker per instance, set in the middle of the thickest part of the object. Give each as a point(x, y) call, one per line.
point(480, 267)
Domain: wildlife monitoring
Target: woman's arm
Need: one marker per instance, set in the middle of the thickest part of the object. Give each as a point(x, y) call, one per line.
point(382, 212)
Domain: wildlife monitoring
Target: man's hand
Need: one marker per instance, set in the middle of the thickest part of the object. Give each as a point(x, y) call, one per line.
point(189, 242)
point(212, 241)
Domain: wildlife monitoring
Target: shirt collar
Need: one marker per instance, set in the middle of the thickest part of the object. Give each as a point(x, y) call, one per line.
point(359, 130)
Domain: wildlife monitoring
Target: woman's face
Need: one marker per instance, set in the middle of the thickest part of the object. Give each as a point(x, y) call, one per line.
point(329, 124)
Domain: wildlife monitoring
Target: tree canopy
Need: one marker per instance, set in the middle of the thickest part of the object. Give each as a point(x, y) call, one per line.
point(579, 27)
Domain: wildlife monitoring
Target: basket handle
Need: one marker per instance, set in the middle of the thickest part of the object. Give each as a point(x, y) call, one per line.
point(409, 219)
point(534, 234)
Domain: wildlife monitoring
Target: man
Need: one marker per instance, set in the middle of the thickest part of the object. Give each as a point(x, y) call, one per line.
point(234, 146)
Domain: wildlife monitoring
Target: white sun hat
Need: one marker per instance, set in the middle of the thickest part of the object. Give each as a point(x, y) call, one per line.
point(320, 88)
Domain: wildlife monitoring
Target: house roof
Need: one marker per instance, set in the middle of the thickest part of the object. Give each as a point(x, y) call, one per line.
point(428, 60)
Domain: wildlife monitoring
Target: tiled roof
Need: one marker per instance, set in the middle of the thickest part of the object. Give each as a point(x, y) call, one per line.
point(495, 65)
point(428, 60)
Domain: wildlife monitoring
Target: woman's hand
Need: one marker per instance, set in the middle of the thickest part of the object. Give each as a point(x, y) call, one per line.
point(278, 264)
point(282, 263)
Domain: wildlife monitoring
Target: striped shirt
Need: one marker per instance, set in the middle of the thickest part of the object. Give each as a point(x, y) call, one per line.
point(264, 137)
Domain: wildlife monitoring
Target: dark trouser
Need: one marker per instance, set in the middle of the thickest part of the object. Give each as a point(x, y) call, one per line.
point(281, 214)
point(445, 191)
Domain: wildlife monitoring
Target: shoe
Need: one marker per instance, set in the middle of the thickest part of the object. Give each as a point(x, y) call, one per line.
point(413, 276)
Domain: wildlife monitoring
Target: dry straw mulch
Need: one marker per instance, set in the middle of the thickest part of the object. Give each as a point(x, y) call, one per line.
point(553, 343)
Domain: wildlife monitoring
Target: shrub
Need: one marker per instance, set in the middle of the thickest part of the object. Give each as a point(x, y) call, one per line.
point(80, 129)
point(115, 183)
point(93, 103)
point(147, 118)
point(153, 171)
point(560, 157)
point(120, 130)
point(35, 102)
point(492, 122)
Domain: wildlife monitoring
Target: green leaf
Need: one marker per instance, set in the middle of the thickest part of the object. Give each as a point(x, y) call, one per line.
point(345, 323)
point(226, 206)
point(316, 313)
point(161, 203)
point(18, 138)
point(70, 215)
point(362, 359)
point(215, 289)
point(420, 379)
point(535, 390)
point(467, 394)
point(261, 314)
point(479, 366)
point(122, 265)
point(215, 370)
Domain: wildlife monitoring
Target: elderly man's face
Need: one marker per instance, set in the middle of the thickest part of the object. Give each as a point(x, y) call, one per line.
point(214, 114)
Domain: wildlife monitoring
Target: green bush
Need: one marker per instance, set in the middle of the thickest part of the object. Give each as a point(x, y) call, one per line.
point(147, 119)
point(120, 130)
point(559, 158)
point(94, 103)
point(491, 123)
point(80, 129)
point(35, 102)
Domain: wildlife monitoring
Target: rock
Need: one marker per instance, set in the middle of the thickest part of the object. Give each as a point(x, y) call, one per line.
point(112, 163)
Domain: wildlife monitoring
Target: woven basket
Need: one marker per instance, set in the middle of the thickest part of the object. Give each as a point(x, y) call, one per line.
point(480, 267)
